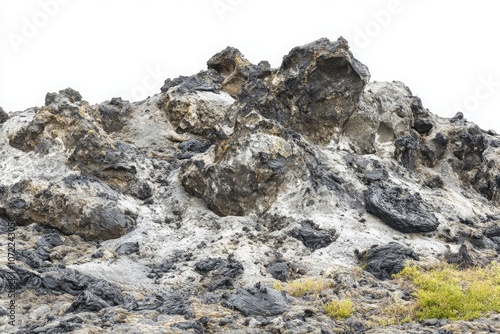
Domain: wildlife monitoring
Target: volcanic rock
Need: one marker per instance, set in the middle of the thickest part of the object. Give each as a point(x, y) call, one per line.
point(188, 211)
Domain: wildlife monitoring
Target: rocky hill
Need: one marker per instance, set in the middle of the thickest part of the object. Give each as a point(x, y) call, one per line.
point(188, 212)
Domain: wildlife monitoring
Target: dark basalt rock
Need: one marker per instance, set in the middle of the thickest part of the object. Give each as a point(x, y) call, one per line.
point(3, 116)
point(422, 122)
point(406, 151)
point(469, 147)
point(375, 175)
point(313, 237)
point(205, 81)
point(423, 126)
point(91, 294)
point(321, 82)
point(114, 114)
point(279, 271)
point(41, 256)
point(399, 209)
point(433, 151)
point(258, 301)
point(127, 248)
point(493, 233)
point(385, 261)
point(69, 94)
point(190, 148)
point(220, 272)
point(68, 325)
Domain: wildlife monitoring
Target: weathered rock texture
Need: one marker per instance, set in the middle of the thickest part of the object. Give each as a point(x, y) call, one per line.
point(183, 213)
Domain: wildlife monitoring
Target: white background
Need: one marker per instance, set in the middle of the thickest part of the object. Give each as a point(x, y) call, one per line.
point(447, 52)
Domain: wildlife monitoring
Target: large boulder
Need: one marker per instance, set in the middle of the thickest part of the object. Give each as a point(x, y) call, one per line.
point(399, 208)
point(317, 87)
point(70, 124)
point(195, 104)
point(74, 205)
point(245, 172)
point(385, 261)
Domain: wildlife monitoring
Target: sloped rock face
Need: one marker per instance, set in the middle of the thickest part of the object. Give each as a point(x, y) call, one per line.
point(188, 211)
point(383, 114)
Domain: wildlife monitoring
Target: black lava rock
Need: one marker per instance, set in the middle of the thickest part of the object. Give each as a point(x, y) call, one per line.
point(127, 248)
point(3, 116)
point(259, 300)
point(279, 270)
point(313, 237)
point(221, 272)
point(399, 209)
point(384, 261)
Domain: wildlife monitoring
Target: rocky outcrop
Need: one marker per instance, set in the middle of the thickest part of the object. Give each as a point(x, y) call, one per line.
point(316, 89)
point(234, 69)
point(245, 172)
point(202, 208)
point(383, 114)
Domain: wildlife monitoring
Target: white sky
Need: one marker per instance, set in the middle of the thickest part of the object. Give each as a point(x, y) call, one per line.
point(447, 52)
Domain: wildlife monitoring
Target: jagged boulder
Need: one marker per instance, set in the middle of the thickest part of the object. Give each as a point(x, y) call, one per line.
point(317, 89)
point(232, 67)
point(195, 104)
point(74, 205)
point(385, 261)
point(114, 114)
point(68, 123)
point(245, 172)
point(399, 208)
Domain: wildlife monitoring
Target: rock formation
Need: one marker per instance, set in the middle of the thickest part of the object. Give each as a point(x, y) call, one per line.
point(184, 212)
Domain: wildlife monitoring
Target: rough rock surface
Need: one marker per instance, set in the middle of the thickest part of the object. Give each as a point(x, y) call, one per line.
point(399, 209)
point(183, 213)
point(384, 261)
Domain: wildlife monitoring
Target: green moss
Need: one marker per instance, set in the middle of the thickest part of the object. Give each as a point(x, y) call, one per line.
point(339, 309)
point(303, 287)
point(449, 293)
